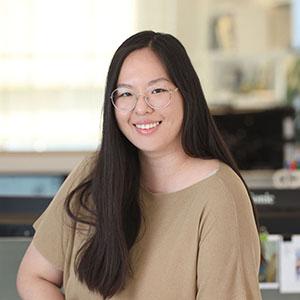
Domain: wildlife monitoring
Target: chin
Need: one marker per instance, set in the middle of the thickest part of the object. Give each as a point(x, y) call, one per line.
point(146, 148)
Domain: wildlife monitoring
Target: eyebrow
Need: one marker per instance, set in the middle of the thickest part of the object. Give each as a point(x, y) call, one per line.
point(149, 83)
point(158, 79)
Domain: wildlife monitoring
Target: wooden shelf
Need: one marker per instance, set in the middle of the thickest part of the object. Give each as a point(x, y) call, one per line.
point(39, 162)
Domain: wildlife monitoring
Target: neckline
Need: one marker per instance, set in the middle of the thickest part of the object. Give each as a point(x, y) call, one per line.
point(165, 195)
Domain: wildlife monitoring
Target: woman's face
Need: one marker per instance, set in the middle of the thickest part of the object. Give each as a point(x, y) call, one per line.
point(143, 73)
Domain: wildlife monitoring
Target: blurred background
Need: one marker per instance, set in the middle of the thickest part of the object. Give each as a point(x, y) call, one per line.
point(54, 56)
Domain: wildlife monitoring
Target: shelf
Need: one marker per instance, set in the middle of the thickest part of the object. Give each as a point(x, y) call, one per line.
point(281, 2)
point(269, 285)
point(40, 162)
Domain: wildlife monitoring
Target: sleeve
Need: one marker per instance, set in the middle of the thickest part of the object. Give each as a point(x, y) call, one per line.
point(54, 227)
point(229, 250)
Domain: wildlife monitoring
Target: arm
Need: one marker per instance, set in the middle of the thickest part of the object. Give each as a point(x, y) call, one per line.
point(40, 275)
point(228, 255)
point(37, 278)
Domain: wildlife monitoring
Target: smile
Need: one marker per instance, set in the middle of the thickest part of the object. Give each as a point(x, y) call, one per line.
point(147, 126)
point(146, 129)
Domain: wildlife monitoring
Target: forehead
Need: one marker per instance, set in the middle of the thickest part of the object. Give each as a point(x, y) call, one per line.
point(140, 67)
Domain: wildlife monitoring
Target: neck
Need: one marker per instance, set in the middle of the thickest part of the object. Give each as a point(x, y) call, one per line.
point(159, 171)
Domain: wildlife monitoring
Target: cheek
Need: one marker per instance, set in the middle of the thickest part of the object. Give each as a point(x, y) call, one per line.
point(176, 114)
point(122, 121)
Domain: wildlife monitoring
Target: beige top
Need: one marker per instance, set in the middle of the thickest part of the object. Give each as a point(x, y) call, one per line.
point(200, 243)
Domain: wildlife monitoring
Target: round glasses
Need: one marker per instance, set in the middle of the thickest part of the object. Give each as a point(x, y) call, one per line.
point(125, 99)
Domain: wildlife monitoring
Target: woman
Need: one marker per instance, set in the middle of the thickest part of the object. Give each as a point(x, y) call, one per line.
point(160, 212)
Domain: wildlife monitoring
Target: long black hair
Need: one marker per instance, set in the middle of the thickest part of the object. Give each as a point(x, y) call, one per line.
point(103, 263)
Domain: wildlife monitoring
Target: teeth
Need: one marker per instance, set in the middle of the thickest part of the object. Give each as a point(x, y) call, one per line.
point(147, 126)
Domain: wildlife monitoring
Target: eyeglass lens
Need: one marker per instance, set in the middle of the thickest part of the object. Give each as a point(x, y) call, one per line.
point(125, 99)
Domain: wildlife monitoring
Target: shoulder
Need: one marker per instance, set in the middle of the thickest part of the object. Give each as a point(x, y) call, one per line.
point(228, 207)
point(86, 165)
point(225, 197)
point(232, 187)
point(81, 171)
point(225, 182)
point(226, 203)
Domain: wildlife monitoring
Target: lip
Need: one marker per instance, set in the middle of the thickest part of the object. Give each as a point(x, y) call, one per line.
point(149, 131)
point(144, 122)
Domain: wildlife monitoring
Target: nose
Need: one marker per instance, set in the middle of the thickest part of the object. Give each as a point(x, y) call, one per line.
point(142, 106)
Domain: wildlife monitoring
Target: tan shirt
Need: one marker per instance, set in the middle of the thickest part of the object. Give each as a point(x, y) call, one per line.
point(199, 243)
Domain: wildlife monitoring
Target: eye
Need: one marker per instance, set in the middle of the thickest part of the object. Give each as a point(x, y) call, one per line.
point(159, 90)
point(125, 94)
